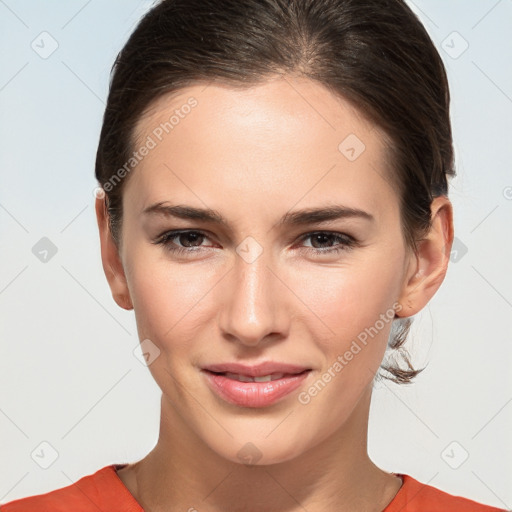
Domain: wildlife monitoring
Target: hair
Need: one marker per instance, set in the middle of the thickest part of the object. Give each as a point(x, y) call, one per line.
point(375, 54)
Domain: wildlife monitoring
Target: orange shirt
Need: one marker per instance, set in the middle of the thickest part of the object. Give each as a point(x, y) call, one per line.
point(104, 491)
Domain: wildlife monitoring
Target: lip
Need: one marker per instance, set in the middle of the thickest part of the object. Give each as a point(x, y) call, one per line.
point(254, 394)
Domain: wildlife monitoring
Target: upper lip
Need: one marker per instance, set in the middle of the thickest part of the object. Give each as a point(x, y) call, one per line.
point(257, 370)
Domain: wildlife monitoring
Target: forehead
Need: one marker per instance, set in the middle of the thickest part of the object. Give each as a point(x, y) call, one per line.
point(282, 140)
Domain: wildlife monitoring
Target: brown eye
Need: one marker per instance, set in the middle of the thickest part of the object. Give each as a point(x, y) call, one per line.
point(190, 238)
point(321, 242)
point(181, 241)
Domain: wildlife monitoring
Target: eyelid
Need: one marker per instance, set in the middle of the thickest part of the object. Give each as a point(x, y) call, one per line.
point(339, 234)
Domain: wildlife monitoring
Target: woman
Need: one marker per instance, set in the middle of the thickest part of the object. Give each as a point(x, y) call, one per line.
point(273, 206)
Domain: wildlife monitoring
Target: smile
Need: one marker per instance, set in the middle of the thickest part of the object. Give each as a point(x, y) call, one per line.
point(253, 391)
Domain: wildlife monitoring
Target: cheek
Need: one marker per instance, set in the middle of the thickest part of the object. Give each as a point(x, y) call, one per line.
point(356, 303)
point(352, 296)
point(167, 297)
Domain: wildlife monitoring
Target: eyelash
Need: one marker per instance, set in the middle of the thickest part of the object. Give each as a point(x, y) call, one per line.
point(347, 242)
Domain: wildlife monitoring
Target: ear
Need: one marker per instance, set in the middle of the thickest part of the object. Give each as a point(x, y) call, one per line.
point(427, 267)
point(110, 258)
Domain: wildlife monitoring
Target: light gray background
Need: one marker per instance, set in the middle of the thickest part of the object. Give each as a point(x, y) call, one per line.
point(68, 374)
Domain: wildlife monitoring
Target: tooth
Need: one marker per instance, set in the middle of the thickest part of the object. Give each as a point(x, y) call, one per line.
point(241, 378)
point(244, 378)
point(263, 378)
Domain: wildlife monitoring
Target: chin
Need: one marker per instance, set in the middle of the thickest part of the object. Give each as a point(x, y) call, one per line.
point(259, 450)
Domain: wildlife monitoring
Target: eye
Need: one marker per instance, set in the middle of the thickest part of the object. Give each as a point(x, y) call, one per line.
point(190, 240)
point(320, 239)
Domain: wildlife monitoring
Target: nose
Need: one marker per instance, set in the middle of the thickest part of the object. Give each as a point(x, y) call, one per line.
point(254, 308)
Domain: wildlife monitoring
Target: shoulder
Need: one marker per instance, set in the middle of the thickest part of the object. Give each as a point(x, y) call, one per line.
point(102, 490)
point(415, 496)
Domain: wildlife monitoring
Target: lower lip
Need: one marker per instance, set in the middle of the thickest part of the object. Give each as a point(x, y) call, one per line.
point(253, 394)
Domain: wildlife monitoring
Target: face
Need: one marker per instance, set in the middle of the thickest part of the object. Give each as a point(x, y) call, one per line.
point(267, 284)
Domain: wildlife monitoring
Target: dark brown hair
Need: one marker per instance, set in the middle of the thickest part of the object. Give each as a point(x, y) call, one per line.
point(374, 53)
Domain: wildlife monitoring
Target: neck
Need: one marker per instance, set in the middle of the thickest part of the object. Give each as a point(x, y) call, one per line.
point(182, 473)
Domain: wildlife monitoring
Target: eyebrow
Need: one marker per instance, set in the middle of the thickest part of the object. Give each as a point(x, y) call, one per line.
point(295, 218)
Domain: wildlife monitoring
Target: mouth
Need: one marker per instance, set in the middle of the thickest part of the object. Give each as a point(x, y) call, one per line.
point(255, 386)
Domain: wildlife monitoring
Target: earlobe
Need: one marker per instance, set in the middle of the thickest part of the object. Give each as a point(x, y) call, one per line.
point(111, 260)
point(428, 266)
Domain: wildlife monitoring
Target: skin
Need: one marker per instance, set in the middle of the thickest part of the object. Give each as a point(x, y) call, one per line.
point(254, 155)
